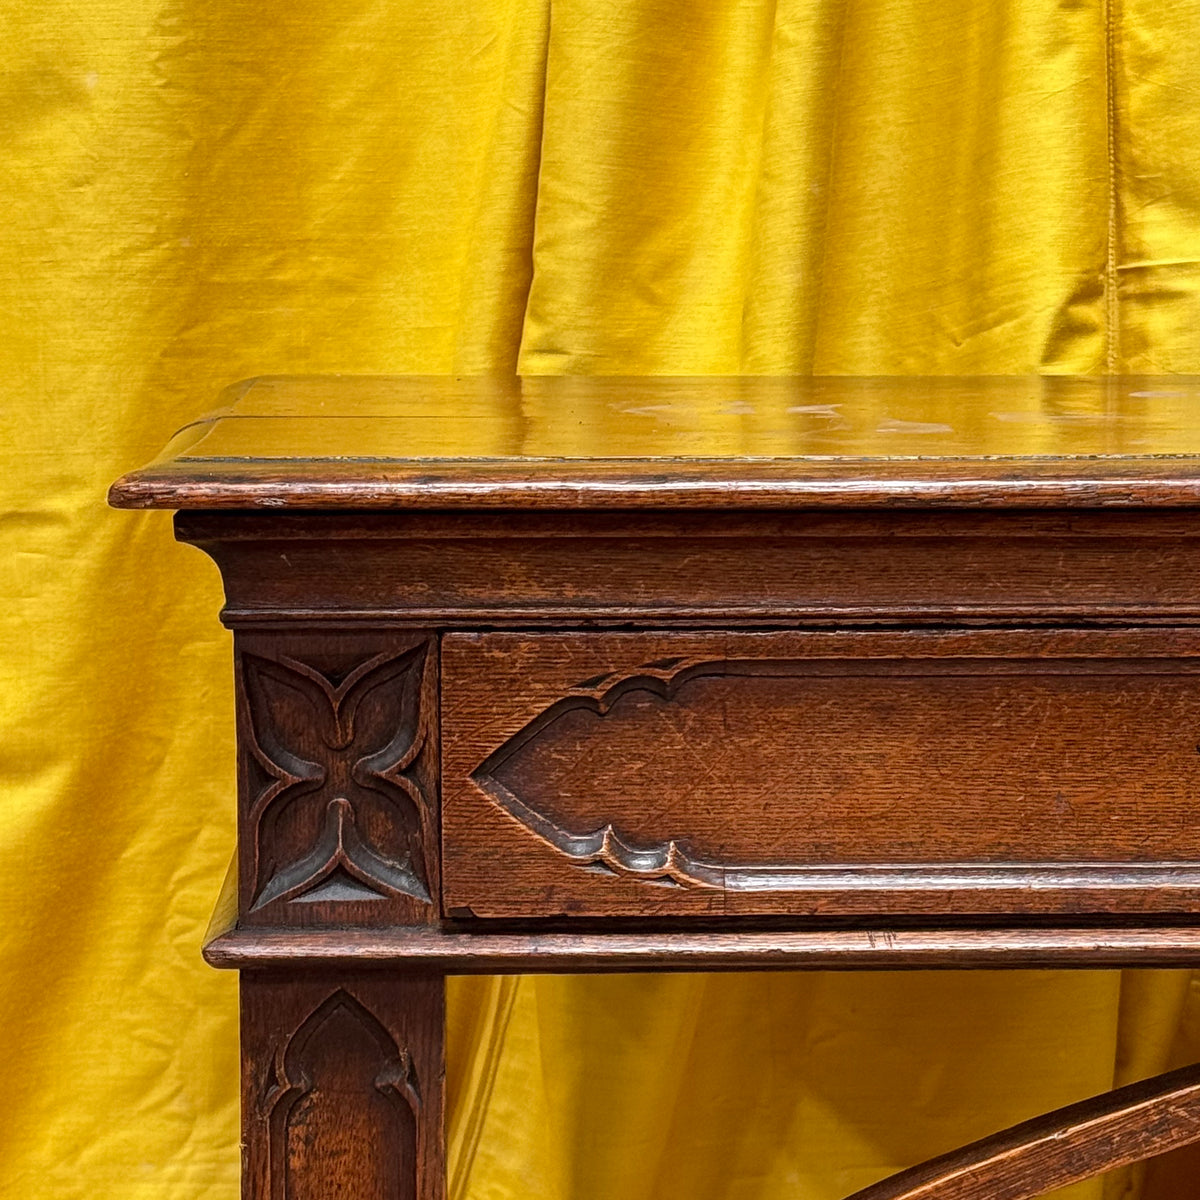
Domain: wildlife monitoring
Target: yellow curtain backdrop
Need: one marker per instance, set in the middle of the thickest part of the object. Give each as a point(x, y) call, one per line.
point(200, 190)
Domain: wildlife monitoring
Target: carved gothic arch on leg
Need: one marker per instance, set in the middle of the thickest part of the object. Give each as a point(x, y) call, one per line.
point(342, 1086)
point(342, 1073)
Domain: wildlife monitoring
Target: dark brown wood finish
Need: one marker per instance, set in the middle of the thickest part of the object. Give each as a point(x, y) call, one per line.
point(338, 756)
point(626, 484)
point(727, 444)
point(703, 569)
point(471, 950)
point(589, 675)
point(821, 773)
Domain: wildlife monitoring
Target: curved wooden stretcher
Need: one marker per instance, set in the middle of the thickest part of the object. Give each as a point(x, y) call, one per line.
point(1078, 1142)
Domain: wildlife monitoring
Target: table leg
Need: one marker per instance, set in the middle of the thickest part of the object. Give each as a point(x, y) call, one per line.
point(342, 1081)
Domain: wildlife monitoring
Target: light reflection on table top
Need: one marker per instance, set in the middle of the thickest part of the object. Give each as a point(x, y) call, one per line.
point(444, 418)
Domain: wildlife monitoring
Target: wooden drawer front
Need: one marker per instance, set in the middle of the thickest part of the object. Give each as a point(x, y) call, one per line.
point(820, 773)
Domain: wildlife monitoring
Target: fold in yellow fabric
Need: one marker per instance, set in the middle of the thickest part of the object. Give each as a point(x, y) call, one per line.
point(195, 193)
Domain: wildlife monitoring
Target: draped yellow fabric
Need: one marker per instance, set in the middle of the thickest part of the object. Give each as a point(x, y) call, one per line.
point(197, 192)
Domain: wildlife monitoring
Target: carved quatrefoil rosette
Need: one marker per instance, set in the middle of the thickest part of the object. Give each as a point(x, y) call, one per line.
point(338, 808)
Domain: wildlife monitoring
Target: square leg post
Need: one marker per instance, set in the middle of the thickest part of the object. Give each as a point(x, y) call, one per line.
point(342, 1085)
point(342, 1067)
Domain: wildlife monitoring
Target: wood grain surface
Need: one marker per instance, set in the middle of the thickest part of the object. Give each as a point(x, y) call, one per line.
point(338, 761)
point(342, 1086)
point(740, 443)
point(820, 773)
point(704, 568)
point(704, 947)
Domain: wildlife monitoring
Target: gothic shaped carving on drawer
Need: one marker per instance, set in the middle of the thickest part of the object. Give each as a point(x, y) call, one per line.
point(339, 750)
point(341, 1085)
point(536, 764)
point(779, 775)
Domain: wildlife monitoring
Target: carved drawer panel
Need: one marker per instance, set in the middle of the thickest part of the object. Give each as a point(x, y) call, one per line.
point(820, 773)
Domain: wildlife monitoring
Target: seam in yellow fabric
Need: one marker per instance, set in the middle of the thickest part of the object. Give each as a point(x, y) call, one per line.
point(537, 187)
point(1112, 299)
point(835, 99)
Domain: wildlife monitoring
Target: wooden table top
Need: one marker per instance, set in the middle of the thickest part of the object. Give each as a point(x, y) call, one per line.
point(360, 442)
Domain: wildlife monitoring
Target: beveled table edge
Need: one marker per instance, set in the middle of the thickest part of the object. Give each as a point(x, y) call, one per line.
point(557, 952)
point(599, 484)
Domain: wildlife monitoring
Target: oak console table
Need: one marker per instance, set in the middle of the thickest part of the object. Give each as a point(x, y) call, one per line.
point(609, 675)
